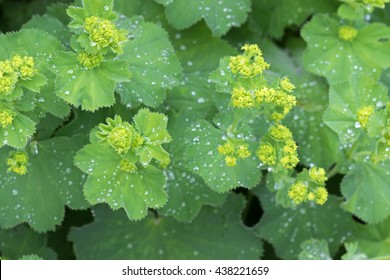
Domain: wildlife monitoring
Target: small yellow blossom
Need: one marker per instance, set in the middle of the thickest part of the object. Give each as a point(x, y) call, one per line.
point(363, 115)
point(88, 60)
point(138, 141)
point(6, 118)
point(318, 175)
point(289, 161)
point(17, 162)
point(243, 151)
point(267, 154)
point(127, 166)
point(16, 62)
point(227, 148)
point(286, 85)
point(6, 66)
point(230, 161)
point(347, 33)
point(297, 192)
point(321, 195)
point(310, 196)
point(242, 98)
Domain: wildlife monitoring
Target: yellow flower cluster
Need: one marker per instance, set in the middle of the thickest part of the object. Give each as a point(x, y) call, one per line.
point(267, 154)
point(18, 67)
point(127, 166)
point(6, 118)
point(299, 193)
point(88, 60)
point(242, 98)
point(278, 98)
point(288, 155)
point(251, 63)
point(347, 33)
point(17, 162)
point(318, 175)
point(286, 85)
point(120, 139)
point(363, 115)
point(120, 135)
point(233, 150)
point(103, 32)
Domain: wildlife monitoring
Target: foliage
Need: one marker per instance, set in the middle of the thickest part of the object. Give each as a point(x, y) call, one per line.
point(172, 129)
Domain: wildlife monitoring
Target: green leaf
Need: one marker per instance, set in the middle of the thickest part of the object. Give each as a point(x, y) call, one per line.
point(150, 10)
point(107, 182)
point(286, 229)
point(328, 55)
point(22, 240)
point(199, 54)
point(92, 89)
point(153, 63)
point(18, 133)
point(274, 16)
point(31, 257)
point(51, 25)
point(202, 157)
point(346, 98)
point(51, 182)
point(187, 191)
point(220, 16)
point(366, 188)
point(112, 236)
point(152, 127)
point(353, 252)
point(314, 249)
point(374, 240)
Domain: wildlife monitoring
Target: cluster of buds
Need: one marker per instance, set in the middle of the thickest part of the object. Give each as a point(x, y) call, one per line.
point(280, 148)
point(6, 118)
point(249, 64)
point(121, 136)
point(17, 162)
point(233, 150)
point(347, 33)
point(312, 189)
point(13, 69)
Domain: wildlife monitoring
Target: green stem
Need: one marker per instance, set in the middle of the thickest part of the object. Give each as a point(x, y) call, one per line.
point(233, 127)
point(353, 148)
point(334, 170)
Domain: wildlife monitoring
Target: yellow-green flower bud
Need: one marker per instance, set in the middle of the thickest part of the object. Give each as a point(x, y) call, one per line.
point(280, 132)
point(90, 61)
point(127, 166)
point(249, 64)
point(347, 33)
point(120, 139)
point(321, 195)
point(243, 151)
point(318, 175)
point(363, 115)
point(286, 85)
point(6, 118)
point(267, 154)
point(230, 161)
point(297, 192)
point(242, 98)
point(17, 162)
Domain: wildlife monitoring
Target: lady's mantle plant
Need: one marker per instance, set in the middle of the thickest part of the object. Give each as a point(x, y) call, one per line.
point(193, 134)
